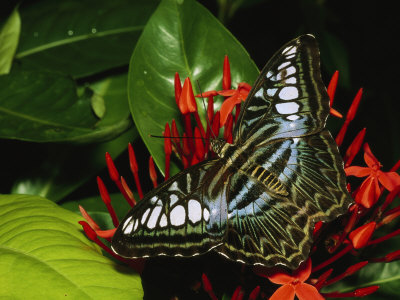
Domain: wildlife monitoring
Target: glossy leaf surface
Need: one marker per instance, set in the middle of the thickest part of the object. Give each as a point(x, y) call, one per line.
point(44, 254)
point(66, 36)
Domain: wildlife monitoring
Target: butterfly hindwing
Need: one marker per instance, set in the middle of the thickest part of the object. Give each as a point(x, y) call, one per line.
point(267, 227)
point(176, 218)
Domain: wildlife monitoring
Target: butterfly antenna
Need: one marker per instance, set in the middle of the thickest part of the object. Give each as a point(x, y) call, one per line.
point(174, 137)
point(205, 109)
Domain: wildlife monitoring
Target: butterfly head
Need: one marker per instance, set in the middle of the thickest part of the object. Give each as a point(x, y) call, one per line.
point(218, 146)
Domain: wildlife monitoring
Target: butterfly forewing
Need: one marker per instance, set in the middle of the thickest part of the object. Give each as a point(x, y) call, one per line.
point(289, 98)
point(258, 202)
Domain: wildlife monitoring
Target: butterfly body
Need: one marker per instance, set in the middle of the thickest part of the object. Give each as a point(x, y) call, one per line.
point(258, 201)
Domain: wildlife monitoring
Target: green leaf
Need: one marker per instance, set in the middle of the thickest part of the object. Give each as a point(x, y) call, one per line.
point(44, 107)
point(9, 35)
point(45, 255)
point(81, 38)
point(66, 167)
point(181, 36)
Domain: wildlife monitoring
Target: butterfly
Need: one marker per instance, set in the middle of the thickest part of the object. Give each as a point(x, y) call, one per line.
point(258, 200)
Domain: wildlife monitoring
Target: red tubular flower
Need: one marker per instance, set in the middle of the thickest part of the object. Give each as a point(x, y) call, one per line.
point(107, 200)
point(200, 151)
point(354, 148)
point(234, 97)
point(89, 219)
point(208, 287)
point(237, 294)
point(128, 192)
point(357, 293)
point(226, 77)
point(331, 89)
point(152, 172)
point(134, 169)
point(331, 93)
point(114, 175)
point(360, 236)
point(187, 102)
point(370, 190)
point(295, 284)
point(349, 117)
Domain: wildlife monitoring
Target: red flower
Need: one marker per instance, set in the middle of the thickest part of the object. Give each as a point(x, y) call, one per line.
point(295, 284)
point(235, 96)
point(370, 190)
point(360, 236)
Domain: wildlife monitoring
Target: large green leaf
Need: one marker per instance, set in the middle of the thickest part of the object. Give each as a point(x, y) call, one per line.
point(45, 107)
point(181, 36)
point(81, 37)
point(45, 255)
point(9, 35)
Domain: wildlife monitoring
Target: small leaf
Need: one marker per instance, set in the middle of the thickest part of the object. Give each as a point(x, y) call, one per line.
point(98, 105)
point(9, 36)
point(45, 255)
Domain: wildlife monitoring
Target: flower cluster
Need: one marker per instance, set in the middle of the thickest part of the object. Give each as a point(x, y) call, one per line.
point(371, 210)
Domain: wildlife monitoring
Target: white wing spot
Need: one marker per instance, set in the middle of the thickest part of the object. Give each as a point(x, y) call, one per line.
point(128, 228)
point(206, 214)
point(291, 50)
point(174, 187)
point(144, 217)
point(284, 65)
point(153, 199)
point(271, 92)
point(259, 93)
point(289, 71)
point(126, 222)
point(269, 74)
point(286, 49)
point(291, 80)
point(289, 93)
point(136, 224)
point(151, 223)
point(293, 117)
point(177, 216)
point(194, 207)
point(290, 56)
point(163, 221)
point(174, 198)
point(287, 108)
